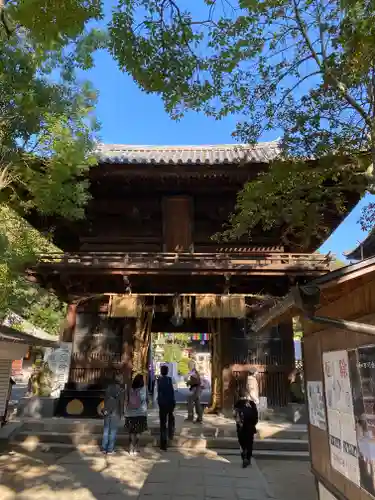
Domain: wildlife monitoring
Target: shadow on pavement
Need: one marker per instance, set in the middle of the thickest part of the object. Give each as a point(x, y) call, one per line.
point(85, 474)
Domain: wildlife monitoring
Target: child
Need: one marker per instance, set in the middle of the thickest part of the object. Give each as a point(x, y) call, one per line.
point(246, 415)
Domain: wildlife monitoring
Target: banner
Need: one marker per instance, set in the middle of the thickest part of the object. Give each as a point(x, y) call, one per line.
point(317, 411)
point(340, 415)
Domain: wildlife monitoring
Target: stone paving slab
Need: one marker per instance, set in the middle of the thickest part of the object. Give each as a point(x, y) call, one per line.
point(150, 476)
point(220, 424)
point(290, 480)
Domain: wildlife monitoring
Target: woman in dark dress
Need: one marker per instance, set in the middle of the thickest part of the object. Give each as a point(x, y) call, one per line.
point(246, 415)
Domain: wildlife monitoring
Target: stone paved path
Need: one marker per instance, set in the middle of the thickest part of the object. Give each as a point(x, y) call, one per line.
point(289, 479)
point(84, 475)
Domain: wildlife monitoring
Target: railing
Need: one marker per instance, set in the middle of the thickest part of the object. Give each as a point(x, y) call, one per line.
point(154, 262)
point(121, 257)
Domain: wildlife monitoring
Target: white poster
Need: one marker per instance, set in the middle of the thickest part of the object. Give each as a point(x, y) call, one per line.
point(317, 411)
point(59, 363)
point(340, 415)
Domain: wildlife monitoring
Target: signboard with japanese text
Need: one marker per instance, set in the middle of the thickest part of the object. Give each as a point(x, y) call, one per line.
point(362, 373)
point(59, 363)
point(340, 415)
point(317, 411)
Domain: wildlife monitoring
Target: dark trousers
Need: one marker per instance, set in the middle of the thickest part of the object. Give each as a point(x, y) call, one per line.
point(246, 441)
point(167, 425)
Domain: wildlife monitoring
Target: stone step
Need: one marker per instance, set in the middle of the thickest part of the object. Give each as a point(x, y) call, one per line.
point(225, 452)
point(188, 442)
point(198, 431)
point(270, 454)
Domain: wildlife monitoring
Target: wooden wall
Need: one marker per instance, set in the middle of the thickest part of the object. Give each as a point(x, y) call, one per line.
point(162, 221)
point(132, 224)
point(358, 305)
point(100, 347)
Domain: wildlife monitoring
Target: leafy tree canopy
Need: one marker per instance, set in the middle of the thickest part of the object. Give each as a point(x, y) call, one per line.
point(172, 352)
point(20, 243)
point(47, 128)
point(304, 67)
point(47, 134)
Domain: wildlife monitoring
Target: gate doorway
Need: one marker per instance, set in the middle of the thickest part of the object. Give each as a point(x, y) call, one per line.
point(181, 351)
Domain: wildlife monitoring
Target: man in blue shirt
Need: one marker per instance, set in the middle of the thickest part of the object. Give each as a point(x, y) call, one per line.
point(167, 403)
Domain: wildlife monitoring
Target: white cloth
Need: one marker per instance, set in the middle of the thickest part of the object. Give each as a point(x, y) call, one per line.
point(252, 388)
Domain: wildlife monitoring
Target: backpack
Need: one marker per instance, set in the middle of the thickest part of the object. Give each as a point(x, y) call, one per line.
point(111, 403)
point(134, 402)
point(245, 414)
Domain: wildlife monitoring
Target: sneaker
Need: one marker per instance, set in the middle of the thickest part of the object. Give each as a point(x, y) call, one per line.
point(198, 421)
point(245, 463)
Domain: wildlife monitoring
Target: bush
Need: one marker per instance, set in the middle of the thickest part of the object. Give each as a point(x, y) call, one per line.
point(183, 366)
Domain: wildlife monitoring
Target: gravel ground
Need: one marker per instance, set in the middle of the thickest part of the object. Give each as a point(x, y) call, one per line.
point(290, 480)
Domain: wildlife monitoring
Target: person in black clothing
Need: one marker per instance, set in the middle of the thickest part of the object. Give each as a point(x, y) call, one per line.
point(167, 403)
point(246, 415)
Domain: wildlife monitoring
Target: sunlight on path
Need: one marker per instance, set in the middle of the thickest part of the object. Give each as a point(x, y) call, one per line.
point(84, 475)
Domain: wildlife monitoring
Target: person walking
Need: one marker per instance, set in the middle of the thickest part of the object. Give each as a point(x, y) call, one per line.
point(136, 412)
point(252, 387)
point(112, 412)
point(167, 403)
point(194, 397)
point(246, 416)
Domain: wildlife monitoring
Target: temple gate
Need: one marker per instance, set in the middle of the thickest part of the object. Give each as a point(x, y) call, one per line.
point(144, 260)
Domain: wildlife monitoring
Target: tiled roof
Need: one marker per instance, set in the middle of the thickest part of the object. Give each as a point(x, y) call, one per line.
point(263, 152)
point(12, 335)
point(364, 250)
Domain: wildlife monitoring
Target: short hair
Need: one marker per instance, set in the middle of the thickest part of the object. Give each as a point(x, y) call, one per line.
point(138, 381)
point(242, 392)
point(164, 369)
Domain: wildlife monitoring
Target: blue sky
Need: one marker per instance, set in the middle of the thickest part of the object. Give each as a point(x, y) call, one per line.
point(130, 116)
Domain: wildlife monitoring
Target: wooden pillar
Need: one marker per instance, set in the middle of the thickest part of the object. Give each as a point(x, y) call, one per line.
point(226, 335)
point(127, 348)
point(287, 340)
point(141, 343)
point(216, 378)
point(222, 378)
point(67, 331)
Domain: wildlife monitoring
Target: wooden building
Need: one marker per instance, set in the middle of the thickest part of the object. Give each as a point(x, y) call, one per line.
point(14, 345)
point(144, 260)
point(364, 250)
point(339, 361)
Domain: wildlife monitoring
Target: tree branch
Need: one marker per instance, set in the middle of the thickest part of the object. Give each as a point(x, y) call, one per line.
point(325, 71)
point(302, 28)
point(289, 91)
